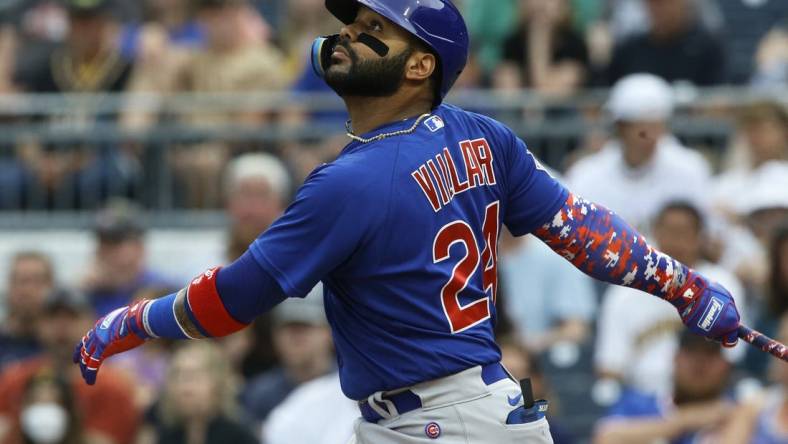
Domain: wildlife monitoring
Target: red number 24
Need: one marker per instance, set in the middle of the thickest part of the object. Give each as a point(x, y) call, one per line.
point(463, 317)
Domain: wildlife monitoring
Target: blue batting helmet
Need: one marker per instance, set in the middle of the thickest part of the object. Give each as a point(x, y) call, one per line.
point(437, 23)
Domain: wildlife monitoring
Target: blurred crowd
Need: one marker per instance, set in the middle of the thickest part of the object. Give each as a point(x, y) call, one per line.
point(154, 49)
point(616, 355)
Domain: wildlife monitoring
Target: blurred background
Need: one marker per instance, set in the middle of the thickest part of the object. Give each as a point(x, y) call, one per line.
point(143, 142)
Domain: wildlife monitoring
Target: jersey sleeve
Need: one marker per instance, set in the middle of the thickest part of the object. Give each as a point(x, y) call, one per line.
point(533, 195)
point(330, 218)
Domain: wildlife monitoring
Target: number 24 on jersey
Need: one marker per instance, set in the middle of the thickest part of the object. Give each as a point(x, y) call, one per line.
point(462, 317)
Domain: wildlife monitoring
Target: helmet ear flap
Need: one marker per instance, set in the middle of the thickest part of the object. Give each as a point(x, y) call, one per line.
point(322, 48)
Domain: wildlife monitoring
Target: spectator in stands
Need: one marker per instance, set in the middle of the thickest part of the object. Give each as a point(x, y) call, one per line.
point(173, 19)
point(106, 409)
point(631, 17)
point(489, 25)
point(89, 60)
point(302, 340)
point(747, 23)
point(235, 35)
point(304, 19)
point(7, 56)
point(762, 420)
point(30, 29)
point(257, 189)
point(763, 135)
point(27, 30)
point(330, 425)
point(164, 42)
point(635, 341)
point(49, 412)
point(644, 166)
point(774, 303)
point(544, 53)
point(532, 275)
point(30, 279)
point(236, 59)
point(119, 273)
point(676, 47)
point(757, 159)
point(764, 205)
point(198, 404)
point(771, 58)
point(521, 363)
point(148, 370)
point(696, 411)
point(161, 45)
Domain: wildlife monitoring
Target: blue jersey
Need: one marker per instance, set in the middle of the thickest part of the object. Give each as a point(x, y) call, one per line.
point(403, 233)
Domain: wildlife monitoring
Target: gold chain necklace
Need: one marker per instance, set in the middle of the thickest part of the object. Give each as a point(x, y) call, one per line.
point(385, 135)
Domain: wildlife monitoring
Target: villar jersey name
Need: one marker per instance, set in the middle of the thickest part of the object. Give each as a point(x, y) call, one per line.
point(440, 180)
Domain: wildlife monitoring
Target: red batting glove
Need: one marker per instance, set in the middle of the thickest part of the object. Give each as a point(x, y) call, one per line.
point(114, 333)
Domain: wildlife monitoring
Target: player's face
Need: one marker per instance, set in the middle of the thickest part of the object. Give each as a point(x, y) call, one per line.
point(357, 70)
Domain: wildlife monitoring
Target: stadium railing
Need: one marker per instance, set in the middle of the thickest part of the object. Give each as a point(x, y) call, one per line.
point(84, 129)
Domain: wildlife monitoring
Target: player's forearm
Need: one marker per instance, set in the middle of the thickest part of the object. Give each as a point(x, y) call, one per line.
point(217, 303)
point(604, 246)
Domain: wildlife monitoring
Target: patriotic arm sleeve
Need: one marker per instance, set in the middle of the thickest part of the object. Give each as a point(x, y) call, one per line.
point(605, 247)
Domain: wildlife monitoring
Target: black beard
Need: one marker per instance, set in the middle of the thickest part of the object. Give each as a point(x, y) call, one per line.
point(369, 78)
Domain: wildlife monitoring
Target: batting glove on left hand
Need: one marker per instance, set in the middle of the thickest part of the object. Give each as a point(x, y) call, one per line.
point(114, 333)
point(708, 309)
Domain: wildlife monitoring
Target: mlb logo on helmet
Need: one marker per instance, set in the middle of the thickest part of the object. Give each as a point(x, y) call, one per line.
point(432, 430)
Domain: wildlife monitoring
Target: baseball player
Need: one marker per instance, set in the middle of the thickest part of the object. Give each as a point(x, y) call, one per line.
point(402, 229)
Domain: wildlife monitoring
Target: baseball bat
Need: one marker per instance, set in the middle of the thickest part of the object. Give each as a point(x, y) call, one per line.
point(765, 343)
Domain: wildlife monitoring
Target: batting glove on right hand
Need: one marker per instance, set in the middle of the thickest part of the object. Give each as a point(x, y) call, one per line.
point(114, 333)
point(708, 309)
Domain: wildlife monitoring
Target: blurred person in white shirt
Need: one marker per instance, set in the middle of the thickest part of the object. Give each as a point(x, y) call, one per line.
point(635, 342)
point(761, 207)
point(644, 166)
point(330, 416)
point(761, 143)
